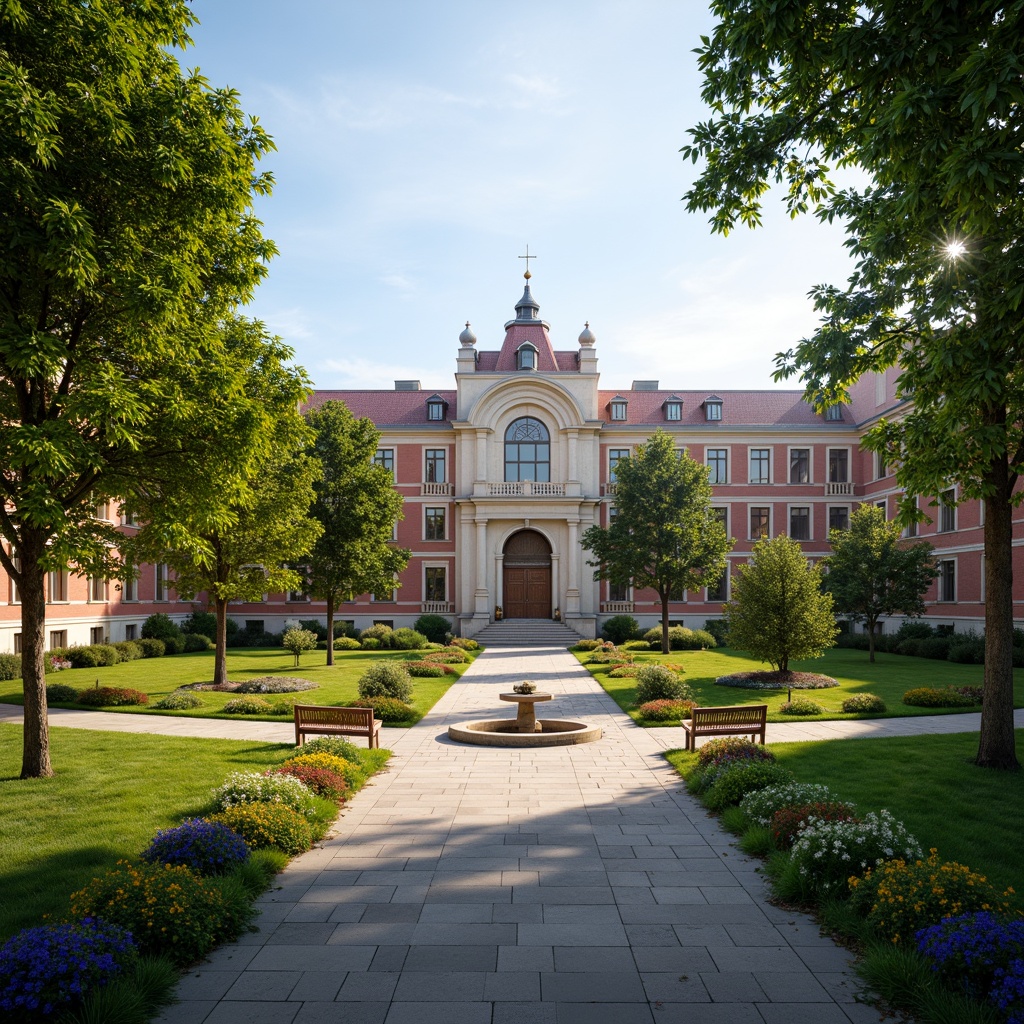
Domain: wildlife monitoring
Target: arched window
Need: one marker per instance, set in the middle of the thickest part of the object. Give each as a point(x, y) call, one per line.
point(527, 450)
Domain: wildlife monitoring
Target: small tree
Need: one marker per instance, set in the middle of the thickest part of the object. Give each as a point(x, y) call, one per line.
point(872, 573)
point(665, 535)
point(297, 641)
point(778, 611)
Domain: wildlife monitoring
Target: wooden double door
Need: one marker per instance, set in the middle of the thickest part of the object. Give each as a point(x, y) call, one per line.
point(527, 592)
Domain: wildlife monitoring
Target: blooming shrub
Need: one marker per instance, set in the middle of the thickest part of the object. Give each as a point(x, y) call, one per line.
point(168, 909)
point(321, 781)
point(262, 824)
point(1008, 990)
point(387, 709)
point(46, 970)
point(933, 697)
point(666, 710)
point(624, 671)
point(605, 653)
point(464, 643)
point(731, 748)
point(386, 679)
point(331, 745)
point(830, 852)
point(112, 697)
point(788, 821)
point(761, 806)
point(658, 682)
point(763, 680)
point(975, 693)
point(350, 771)
point(179, 700)
point(206, 848)
point(61, 692)
point(248, 706)
point(864, 703)
point(585, 645)
point(900, 898)
point(801, 706)
point(276, 684)
point(254, 787)
point(733, 781)
point(447, 656)
point(427, 669)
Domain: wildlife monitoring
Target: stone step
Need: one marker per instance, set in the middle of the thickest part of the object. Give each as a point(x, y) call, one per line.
point(527, 633)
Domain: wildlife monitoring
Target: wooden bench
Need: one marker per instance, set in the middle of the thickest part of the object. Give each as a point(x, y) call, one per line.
point(328, 721)
point(751, 719)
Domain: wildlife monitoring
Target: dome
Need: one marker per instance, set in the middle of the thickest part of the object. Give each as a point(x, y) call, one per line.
point(587, 337)
point(467, 337)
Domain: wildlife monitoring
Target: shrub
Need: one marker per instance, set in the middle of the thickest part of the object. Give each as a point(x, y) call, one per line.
point(704, 639)
point(969, 651)
point(48, 969)
point(61, 693)
point(864, 703)
point(933, 697)
point(826, 854)
point(10, 666)
point(371, 643)
point(938, 648)
point(345, 643)
point(731, 748)
point(681, 639)
point(976, 694)
point(734, 781)
point(427, 669)
point(913, 630)
point(284, 707)
point(624, 671)
point(316, 627)
point(448, 656)
point(174, 644)
point(201, 623)
point(159, 626)
point(637, 645)
point(195, 642)
point(788, 821)
point(128, 650)
point(378, 631)
point(607, 653)
point(151, 647)
point(321, 781)
point(585, 645)
point(464, 643)
point(620, 628)
point(801, 706)
point(761, 806)
point(179, 700)
point(434, 627)
point(335, 745)
point(92, 656)
point(112, 697)
point(248, 706)
point(387, 709)
point(666, 710)
point(899, 898)
point(276, 684)
point(254, 787)
point(168, 909)
point(719, 629)
point(297, 641)
point(657, 682)
point(205, 847)
point(386, 679)
point(349, 770)
point(267, 824)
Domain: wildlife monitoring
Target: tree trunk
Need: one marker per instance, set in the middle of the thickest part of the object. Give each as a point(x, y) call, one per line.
point(330, 629)
point(664, 624)
point(220, 655)
point(996, 738)
point(35, 757)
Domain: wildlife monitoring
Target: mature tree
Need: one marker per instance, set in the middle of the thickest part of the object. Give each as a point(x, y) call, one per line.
point(665, 534)
point(778, 612)
point(924, 98)
point(126, 228)
point(872, 572)
point(357, 506)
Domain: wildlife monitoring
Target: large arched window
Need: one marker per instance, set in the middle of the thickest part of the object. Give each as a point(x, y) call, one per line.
point(527, 450)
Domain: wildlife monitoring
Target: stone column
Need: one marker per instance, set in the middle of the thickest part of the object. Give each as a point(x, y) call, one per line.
point(499, 579)
point(573, 436)
point(555, 584)
point(481, 593)
point(481, 455)
point(575, 555)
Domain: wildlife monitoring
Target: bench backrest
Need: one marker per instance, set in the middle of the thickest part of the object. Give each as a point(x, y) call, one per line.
point(312, 714)
point(738, 713)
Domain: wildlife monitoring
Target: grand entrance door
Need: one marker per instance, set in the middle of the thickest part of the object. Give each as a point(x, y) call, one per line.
point(527, 575)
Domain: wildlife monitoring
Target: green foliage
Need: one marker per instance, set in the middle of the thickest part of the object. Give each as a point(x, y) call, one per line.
point(297, 641)
point(371, 643)
point(680, 638)
point(255, 787)
point(864, 704)
point(93, 656)
point(801, 707)
point(180, 700)
point(666, 710)
point(778, 612)
point(934, 697)
point(349, 769)
point(10, 666)
point(427, 669)
point(174, 644)
point(346, 643)
point(195, 642)
point(151, 648)
point(127, 650)
point(464, 643)
point(267, 824)
point(379, 632)
point(202, 622)
point(737, 779)
point(335, 745)
point(434, 627)
point(387, 709)
point(159, 626)
point(665, 534)
point(620, 628)
point(640, 645)
point(657, 682)
point(447, 656)
point(386, 679)
point(585, 645)
point(112, 697)
point(134, 998)
point(61, 693)
point(719, 629)
point(762, 805)
point(251, 705)
point(406, 639)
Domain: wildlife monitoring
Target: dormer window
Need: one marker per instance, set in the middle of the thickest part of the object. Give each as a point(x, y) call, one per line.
point(834, 413)
point(712, 409)
point(436, 407)
point(673, 408)
point(526, 357)
point(617, 407)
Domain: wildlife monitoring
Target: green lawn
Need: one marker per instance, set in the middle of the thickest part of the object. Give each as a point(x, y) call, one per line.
point(160, 676)
point(889, 677)
point(971, 815)
point(110, 795)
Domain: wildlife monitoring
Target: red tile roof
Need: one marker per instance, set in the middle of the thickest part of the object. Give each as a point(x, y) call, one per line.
point(765, 408)
point(387, 408)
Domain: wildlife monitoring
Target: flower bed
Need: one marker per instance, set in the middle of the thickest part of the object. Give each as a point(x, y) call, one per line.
point(777, 681)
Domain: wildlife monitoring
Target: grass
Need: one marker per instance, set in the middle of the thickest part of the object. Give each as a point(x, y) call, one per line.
point(889, 677)
point(971, 815)
point(160, 676)
point(110, 795)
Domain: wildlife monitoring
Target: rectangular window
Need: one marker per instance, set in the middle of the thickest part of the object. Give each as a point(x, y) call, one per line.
point(161, 588)
point(15, 593)
point(760, 465)
point(618, 592)
point(435, 465)
point(721, 513)
point(800, 465)
point(673, 410)
point(713, 410)
point(17, 643)
point(615, 456)
point(297, 595)
point(436, 583)
point(434, 524)
point(255, 625)
point(96, 635)
point(947, 511)
point(130, 590)
point(759, 522)
point(384, 596)
point(98, 590)
point(58, 638)
point(838, 517)
point(911, 530)
point(947, 580)
point(58, 586)
point(385, 457)
point(720, 591)
point(130, 631)
point(883, 507)
point(103, 510)
point(717, 460)
point(881, 469)
point(834, 413)
point(800, 522)
point(838, 465)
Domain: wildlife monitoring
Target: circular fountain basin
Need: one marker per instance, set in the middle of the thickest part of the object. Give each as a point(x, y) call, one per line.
point(504, 732)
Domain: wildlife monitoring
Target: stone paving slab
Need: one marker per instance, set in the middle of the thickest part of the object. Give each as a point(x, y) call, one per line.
point(563, 885)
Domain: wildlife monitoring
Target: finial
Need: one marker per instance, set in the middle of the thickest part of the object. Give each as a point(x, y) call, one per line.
point(587, 337)
point(467, 337)
point(527, 257)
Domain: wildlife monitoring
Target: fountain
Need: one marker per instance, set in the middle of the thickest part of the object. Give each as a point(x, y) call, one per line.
point(525, 730)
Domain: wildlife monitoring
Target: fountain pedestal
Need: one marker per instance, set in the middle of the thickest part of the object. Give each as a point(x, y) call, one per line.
point(526, 719)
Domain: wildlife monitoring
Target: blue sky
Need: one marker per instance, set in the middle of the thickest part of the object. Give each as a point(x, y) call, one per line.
point(422, 146)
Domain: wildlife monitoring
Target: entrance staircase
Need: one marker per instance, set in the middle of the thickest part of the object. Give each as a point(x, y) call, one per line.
point(527, 633)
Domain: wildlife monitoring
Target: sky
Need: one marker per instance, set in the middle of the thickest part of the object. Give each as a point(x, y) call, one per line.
point(422, 146)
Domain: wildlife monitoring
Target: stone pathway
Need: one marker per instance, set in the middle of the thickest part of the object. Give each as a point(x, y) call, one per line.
point(568, 885)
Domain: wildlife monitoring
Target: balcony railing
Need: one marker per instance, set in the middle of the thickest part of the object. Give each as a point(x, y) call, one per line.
point(526, 489)
point(616, 607)
point(609, 488)
point(442, 490)
point(436, 608)
point(835, 488)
